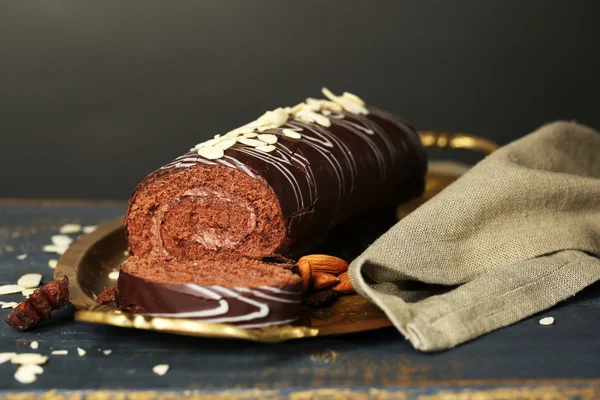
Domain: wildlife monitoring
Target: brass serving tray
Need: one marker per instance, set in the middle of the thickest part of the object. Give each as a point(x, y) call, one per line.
point(88, 262)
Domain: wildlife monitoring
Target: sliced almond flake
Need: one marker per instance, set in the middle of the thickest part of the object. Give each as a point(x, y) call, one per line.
point(225, 144)
point(216, 136)
point(50, 248)
point(107, 352)
point(276, 118)
point(248, 128)
point(267, 149)
point(52, 263)
point(160, 369)
point(5, 357)
point(21, 256)
point(348, 105)
point(81, 352)
point(297, 108)
point(352, 107)
point(114, 275)
point(250, 142)
point(10, 304)
point(232, 135)
point(330, 106)
point(250, 134)
point(211, 153)
point(9, 289)
point(34, 345)
point(29, 358)
point(291, 134)
point(29, 281)
point(35, 369)
point(326, 112)
point(25, 376)
point(280, 117)
point(70, 228)
point(60, 352)
point(322, 120)
point(306, 116)
point(208, 143)
point(312, 107)
point(354, 98)
point(547, 321)
point(28, 292)
point(327, 93)
point(90, 228)
point(268, 138)
point(267, 127)
point(61, 240)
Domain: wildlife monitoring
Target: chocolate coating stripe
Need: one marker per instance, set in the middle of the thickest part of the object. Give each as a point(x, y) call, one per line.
point(248, 307)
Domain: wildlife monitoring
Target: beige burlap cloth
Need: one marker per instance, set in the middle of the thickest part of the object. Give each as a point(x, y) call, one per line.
point(513, 236)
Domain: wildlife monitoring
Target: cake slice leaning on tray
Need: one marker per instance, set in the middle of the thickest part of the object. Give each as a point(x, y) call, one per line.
point(204, 229)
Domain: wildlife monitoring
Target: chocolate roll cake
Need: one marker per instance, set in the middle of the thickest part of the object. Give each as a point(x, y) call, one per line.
point(248, 293)
point(201, 227)
point(290, 175)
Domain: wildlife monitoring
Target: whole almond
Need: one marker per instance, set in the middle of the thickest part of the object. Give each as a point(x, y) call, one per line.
point(344, 286)
point(305, 270)
point(323, 281)
point(326, 264)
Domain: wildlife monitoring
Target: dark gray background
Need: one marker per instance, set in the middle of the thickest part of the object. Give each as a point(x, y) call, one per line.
point(94, 95)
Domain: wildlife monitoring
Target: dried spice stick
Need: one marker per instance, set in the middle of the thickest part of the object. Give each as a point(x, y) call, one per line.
point(39, 305)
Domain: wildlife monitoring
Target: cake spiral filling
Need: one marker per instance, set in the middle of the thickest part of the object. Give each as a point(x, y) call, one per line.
point(205, 217)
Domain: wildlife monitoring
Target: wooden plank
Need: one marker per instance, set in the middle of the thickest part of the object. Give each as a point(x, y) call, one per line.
point(522, 361)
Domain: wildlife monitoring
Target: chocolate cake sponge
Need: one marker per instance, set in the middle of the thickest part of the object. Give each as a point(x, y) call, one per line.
point(248, 293)
point(202, 210)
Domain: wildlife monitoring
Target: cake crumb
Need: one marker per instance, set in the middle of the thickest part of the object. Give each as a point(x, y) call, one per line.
point(34, 345)
point(70, 228)
point(107, 296)
point(160, 369)
point(52, 263)
point(107, 352)
point(21, 256)
point(547, 321)
point(81, 352)
point(60, 352)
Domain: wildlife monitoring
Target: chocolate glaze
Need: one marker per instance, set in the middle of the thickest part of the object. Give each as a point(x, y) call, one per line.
point(246, 307)
point(361, 161)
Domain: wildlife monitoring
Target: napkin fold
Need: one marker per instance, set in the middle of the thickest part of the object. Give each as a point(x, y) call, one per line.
point(515, 235)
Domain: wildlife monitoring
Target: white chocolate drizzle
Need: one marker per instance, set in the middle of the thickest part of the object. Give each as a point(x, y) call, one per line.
point(224, 295)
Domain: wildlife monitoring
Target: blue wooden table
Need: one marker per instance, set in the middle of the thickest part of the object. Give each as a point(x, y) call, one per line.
point(523, 361)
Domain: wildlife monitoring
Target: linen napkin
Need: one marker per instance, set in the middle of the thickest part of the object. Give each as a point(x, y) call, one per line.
point(515, 235)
